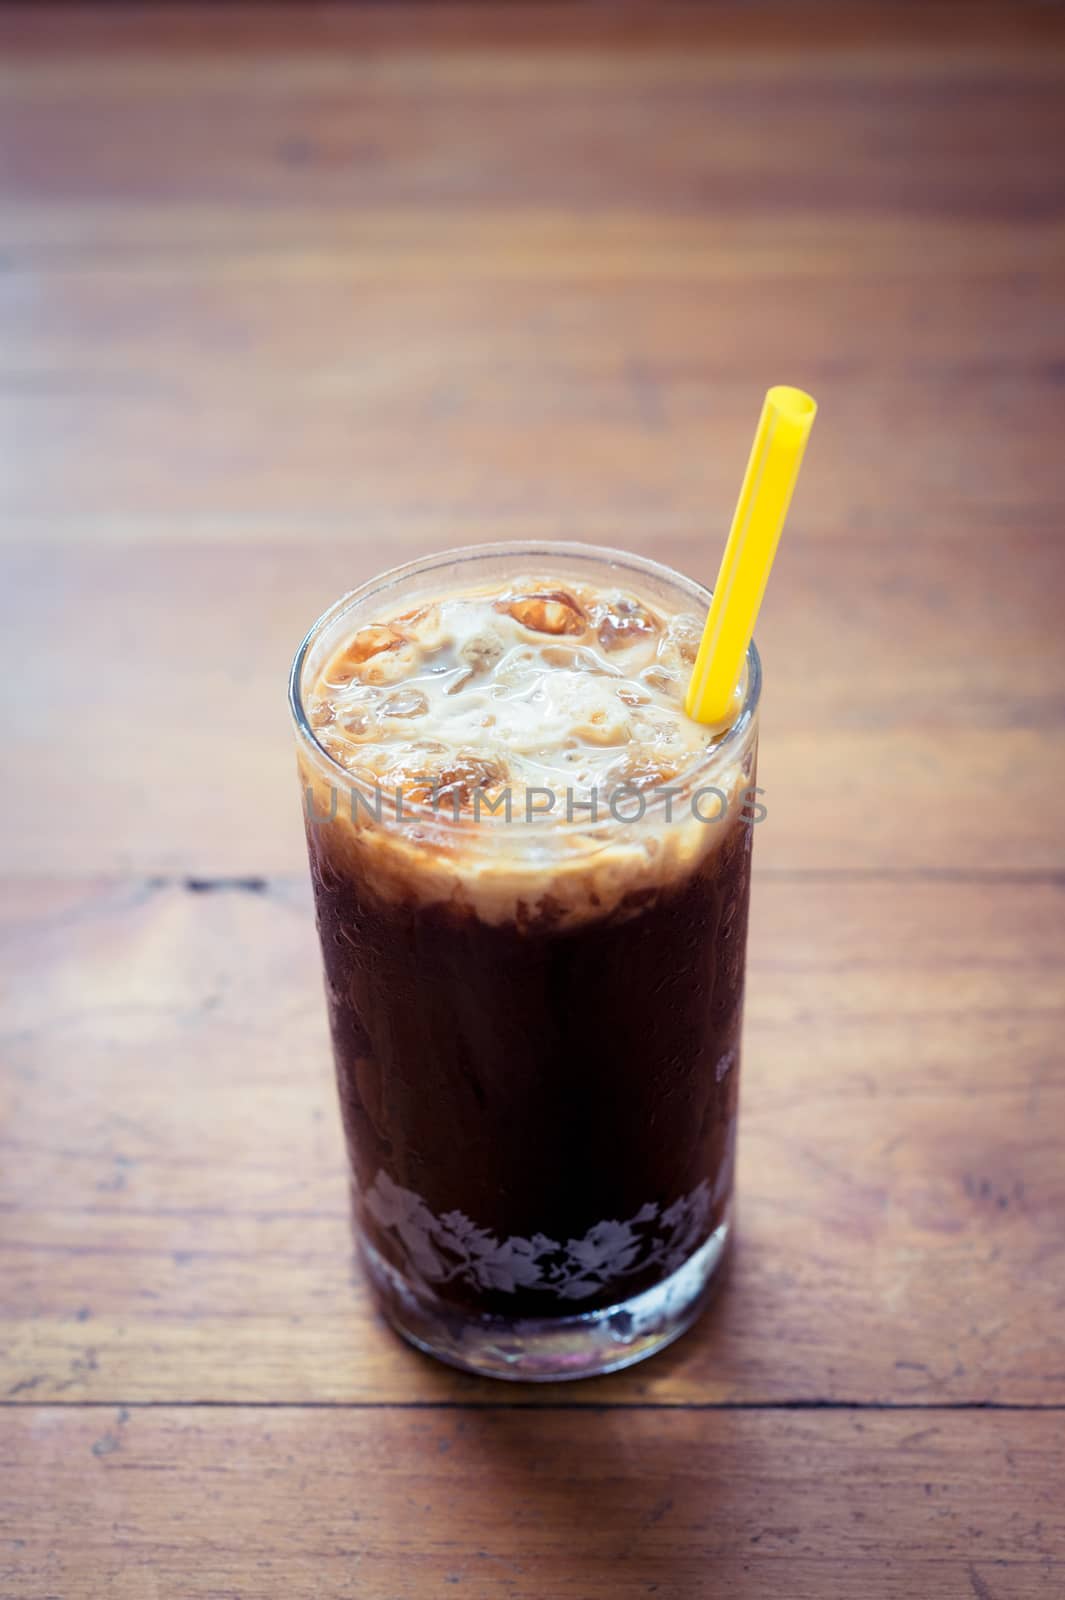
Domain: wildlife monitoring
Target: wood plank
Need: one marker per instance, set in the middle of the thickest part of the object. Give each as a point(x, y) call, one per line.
point(581, 1504)
point(621, 452)
point(629, 38)
point(511, 344)
point(174, 1210)
point(906, 705)
point(688, 117)
point(320, 159)
point(548, 246)
point(485, 140)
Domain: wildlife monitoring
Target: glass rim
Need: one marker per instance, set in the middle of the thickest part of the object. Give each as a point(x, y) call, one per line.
point(715, 756)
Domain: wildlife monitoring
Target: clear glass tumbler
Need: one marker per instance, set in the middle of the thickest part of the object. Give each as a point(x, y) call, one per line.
point(538, 1089)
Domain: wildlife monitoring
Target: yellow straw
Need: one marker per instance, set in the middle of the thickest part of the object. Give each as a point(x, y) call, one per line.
point(776, 455)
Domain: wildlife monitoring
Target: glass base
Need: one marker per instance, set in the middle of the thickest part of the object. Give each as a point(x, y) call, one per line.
point(546, 1349)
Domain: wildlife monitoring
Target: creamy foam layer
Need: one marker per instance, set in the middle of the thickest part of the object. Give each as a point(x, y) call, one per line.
point(529, 685)
point(531, 692)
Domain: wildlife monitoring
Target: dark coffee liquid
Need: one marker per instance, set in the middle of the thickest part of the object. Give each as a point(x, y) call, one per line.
point(540, 1119)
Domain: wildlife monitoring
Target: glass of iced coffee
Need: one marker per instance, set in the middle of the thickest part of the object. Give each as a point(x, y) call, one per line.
point(531, 874)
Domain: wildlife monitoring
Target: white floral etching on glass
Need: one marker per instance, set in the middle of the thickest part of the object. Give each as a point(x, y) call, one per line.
point(450, 1247)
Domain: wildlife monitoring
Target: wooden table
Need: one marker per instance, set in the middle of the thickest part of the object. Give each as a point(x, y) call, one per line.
point(289, 295)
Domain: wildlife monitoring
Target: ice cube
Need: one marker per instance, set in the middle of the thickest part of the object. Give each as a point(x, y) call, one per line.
point(338, 742)
point(368, 642)
point(405, 703)
point(622, 621)
point(424, 626)
point(411, 619)
point(679, 645)
point(550, 611)
point(358, 722)
point(640, 772)
point(431, 772)
point(460, 778)
point(657, 677)
point(393, 664)
point(481, 652)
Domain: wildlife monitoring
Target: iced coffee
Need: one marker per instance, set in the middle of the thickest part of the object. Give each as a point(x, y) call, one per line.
point(531, 875)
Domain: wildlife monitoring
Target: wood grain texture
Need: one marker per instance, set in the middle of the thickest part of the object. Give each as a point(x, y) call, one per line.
point(289, 292)
point(582, 1505)
point(173, 1180)
point(531, 274)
